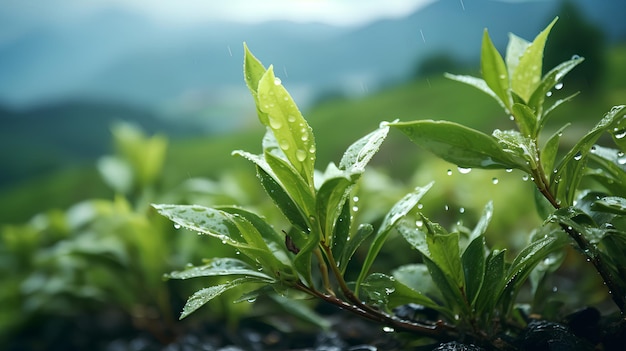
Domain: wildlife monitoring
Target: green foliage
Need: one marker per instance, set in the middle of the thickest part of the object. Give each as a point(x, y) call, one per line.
point(459, 275)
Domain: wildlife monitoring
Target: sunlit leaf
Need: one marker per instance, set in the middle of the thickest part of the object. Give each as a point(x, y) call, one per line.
point(526, 119)
point(478, 83)
point(445, 253)
point(294, 136)
point(527, 75)
point(548, 82)
point(219, 267)
point(330, 201)
point(458, 144)
point(292, 182)
point(203, 220)
point(570, 169)
point(494, 71)
point(398, 211)
point(519, 147)
point(514, 50)
point(201, 297)
point(358, 155)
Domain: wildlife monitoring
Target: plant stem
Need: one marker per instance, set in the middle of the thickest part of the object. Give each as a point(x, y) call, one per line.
point(589, 250)
point(439, 330)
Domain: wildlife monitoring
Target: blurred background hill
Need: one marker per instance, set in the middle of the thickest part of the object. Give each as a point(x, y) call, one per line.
point(64, 82)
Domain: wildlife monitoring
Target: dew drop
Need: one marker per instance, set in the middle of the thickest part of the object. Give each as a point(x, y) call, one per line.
point(275, 123)
point(301, 155)
point(558, 86)
point(494, 180)
point(420, 206)
point(284, 144)
point(304, 137)
point(277, 81)
point(464, 170)
point(449, 172)
point(355, 208)
point(525, 177)
point(578, 156)
point(549, 93)
point(355, 199)
point(177, 226)
point(291, 118)
point(312, 149)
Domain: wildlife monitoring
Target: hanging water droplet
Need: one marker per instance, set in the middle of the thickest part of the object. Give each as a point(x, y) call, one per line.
point(449, 172)
point(388, 329)
point(578, 156)
point(251, 300)
point(464, 170)
point(177, 226)
point(275, 123)
point(558, 86)
point(575, 57)
point(509, 170)
point(620, 134)
point(284, 144)
point(301, 155)
point(494, 180)
point(277, 81)
point(525, 177)
point(420, 206)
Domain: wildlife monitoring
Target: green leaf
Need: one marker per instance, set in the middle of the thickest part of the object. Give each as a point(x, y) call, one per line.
point(494, 71)
point(330, 201)
point(526, 120)
point(444, 252)
point(341, 231)
point(295, 137)
point(358, 155)
point(492, 286)
point(478, 83)
point(265, 229)
point(219, 267)
point(414, 285)
point(293, 183)
point(201, 297)
point(253, 71)
point(550, 149)
point(454, 299)
point(202, 220)
point(377, 287)
point(571, 168)
point(612, 169)
point(302, 311)
point(474, 268)
point(514, 51)
point(483, 223)
point(548, 111)
point(527, 75)
point(519, 147)
point(282, 199)
point(362, 233)
point(458, 144)
point(612, 204)
point(398, 211)
point(548, 82)
point(526, 260)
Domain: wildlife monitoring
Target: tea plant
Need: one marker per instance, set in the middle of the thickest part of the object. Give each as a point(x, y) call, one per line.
point(472, 288)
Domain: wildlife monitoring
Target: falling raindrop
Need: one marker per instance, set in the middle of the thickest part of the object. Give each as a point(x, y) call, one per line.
point(446, 207)
point(462, 210)
point(555, 289)
point(549, 93)
point(277, 81)
point(558, 86)
point(464, 170)
point(494, 180)
point(449, 172)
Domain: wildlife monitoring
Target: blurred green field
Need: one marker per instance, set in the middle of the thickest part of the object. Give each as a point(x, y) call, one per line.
point(336, 123)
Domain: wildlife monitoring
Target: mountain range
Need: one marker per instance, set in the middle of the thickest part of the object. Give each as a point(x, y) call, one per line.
point(195, 70)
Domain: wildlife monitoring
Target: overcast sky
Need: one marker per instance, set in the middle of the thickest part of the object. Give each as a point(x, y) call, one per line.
point(339, 12)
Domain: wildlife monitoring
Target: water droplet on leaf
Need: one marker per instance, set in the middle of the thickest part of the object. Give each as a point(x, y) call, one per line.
point(277, 81)
point(558, 86)
point(578, 156)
